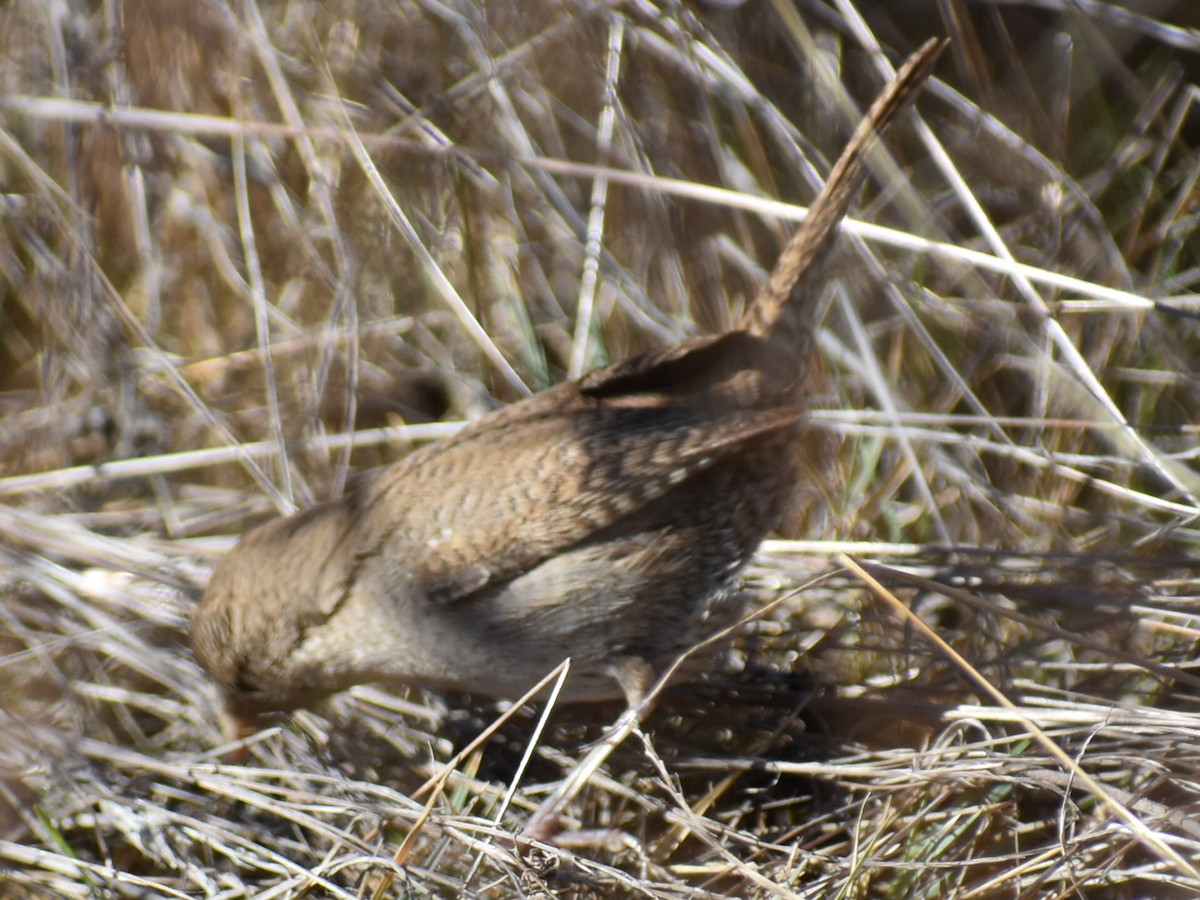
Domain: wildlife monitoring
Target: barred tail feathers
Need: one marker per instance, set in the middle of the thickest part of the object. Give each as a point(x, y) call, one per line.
point(786, 308)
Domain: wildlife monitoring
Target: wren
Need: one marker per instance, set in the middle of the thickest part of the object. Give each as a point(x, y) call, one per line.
point(605, 520)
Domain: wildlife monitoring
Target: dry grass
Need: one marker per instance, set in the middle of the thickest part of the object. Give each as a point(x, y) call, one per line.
point(395, 199)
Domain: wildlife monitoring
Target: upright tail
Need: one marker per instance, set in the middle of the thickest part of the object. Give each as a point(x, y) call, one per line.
point(786, 306)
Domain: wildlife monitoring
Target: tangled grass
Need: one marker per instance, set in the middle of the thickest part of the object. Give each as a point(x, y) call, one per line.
point(248, 249)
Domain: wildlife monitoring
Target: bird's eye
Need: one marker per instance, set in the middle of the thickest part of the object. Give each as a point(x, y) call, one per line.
point(244, 684)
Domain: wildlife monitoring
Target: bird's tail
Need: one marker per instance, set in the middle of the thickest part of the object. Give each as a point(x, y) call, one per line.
point(787, 308)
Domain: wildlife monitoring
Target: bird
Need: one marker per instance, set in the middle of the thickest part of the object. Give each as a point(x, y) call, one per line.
point(604, 520)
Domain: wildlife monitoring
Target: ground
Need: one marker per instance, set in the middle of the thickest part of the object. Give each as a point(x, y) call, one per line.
point(249, 250)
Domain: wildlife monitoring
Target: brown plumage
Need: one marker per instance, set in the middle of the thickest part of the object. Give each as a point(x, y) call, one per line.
point(603, 520)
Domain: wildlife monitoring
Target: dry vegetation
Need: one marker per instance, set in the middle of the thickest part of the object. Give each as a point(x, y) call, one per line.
point(376, 219)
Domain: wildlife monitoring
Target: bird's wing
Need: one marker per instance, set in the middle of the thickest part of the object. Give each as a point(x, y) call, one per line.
point(557, 479)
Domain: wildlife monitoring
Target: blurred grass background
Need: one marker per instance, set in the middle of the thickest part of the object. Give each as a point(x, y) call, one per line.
point(375, 220)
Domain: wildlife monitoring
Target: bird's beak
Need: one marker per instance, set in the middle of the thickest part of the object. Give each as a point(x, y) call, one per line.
point(235, 730)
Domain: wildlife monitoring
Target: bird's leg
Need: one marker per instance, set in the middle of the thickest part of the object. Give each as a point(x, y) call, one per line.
point(636, 677)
